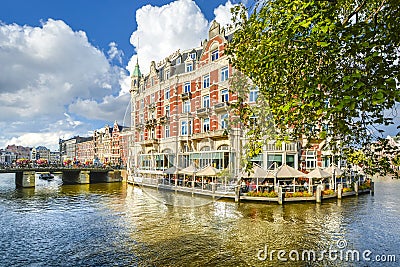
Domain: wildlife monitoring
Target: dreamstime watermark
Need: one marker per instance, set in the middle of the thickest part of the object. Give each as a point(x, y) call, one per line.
point(336, 252)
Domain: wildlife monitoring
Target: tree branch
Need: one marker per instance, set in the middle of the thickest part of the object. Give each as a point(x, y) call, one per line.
point(353, 13)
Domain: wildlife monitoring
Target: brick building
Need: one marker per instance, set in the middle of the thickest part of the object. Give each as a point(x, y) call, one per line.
point(179, 114)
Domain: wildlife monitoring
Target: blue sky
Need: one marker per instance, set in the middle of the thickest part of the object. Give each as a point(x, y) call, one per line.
point(65, 64)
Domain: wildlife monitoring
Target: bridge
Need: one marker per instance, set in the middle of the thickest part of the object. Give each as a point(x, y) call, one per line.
point(26, 176)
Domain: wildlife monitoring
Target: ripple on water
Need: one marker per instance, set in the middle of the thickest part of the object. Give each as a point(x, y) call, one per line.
point(119, 225)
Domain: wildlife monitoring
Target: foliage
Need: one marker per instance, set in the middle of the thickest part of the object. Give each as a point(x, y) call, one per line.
point(325, 69)
point(347, 189)
point(328, 192)
point(271, 194)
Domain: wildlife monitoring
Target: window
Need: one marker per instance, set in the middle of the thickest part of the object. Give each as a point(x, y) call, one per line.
point(225, 95)
point(206, 81)
point(193, 55)
point(167, 74)
point(141, 118)
point(311, 160)
point(141, 135)
point(152, 133)
point(224, 121)
point(187, 87)
point(214, 55)
point(206, 125)
point(290, 160)
point(167, 93)
point(142, 103)
point(178, 61)
point(253, 95)
point(206, 101)
point(152, 98)
point(166, 131)
point(186, 127)
point(167, 110)
point(186, 106)
point(274, 160)
point(189, 67)
point(224, 74)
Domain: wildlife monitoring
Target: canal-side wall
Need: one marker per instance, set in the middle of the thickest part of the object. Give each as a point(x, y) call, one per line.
point(317, 198)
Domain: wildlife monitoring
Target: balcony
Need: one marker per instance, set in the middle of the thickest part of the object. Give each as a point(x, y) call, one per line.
point(203, 112)
point(151, 123)
point(185, 137)
point(218, 134)
point(223, 106)
point(186, 95)
point(152, 106)
point(139, 125)
point(150, 142)
point(163, 119)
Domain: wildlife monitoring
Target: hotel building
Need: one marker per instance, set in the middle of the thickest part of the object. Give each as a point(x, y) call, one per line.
point(180, 114)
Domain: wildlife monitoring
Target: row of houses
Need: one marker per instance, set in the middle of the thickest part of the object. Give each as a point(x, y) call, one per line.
point(108, 146)
point(12, 153)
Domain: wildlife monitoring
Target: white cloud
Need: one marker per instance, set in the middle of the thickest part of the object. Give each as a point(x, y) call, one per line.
point(163, 30)
point(223, 14)
point(46, 70)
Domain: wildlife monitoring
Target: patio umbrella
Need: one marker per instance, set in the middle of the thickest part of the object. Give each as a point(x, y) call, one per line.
point(335, 169)
point(317, 173)
point(258, 172)
point(208, 171)
point(191, 170)
point(171, 170)
point(285, 171)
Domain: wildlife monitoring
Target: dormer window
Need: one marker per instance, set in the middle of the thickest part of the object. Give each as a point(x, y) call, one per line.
point(214, 55)
point(193, 56)
point(178, 61)
point(167, 74)
point(189, 67)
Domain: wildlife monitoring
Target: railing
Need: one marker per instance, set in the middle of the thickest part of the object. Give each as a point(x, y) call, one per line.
point(221, 106)
point(186, 95)
point(203, 111)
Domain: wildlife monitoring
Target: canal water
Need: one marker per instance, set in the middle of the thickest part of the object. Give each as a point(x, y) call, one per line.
point(120, 225)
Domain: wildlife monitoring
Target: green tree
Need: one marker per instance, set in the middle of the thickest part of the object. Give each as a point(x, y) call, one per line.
point(328, 64)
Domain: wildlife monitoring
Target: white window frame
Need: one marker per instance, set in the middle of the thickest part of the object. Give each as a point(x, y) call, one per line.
point(206, 81)
point(189, 67)
point(224, 74)
point(186, 106)
point(224, 95)
point(184, 128)
point(187, 87)
point(167, 111)
point(206, 101)
point(214, 55)
point(166, 131)
point(167, 93)
point(224, 123)
point(206, 125)
point(167, 73)
point(253, 95)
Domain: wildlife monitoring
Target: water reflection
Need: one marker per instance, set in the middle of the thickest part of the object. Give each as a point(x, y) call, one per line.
point(120, 225)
